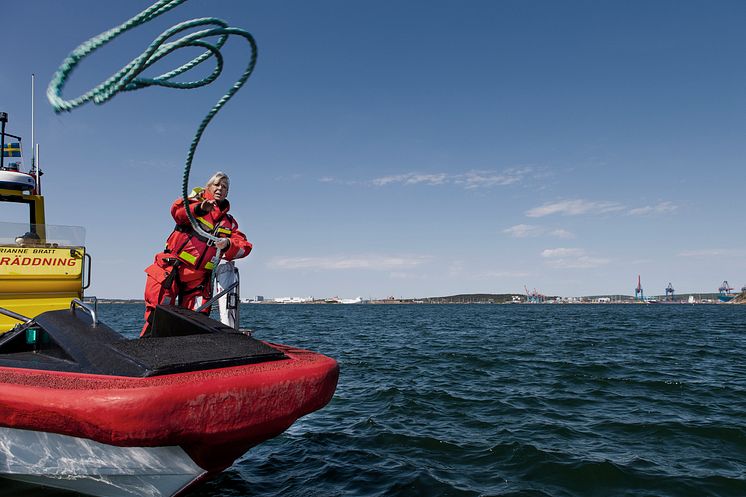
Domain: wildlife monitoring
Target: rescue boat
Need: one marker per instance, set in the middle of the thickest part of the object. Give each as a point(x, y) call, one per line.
point(85, 409)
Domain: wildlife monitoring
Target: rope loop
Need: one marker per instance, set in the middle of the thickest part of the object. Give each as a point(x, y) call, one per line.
point(128, 77)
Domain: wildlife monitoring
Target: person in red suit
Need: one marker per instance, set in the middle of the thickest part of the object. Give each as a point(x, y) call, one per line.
point(181, 274)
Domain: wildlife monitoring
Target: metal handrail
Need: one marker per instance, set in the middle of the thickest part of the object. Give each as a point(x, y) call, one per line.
point(238, 300)
point(93, 300)
point(225, 291)
point(79, 303)
point(86, 255)
point(14, 315)
point(216, 297)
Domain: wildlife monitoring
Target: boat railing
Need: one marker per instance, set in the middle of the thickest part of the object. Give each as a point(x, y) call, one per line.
point(77, 303)
point(234, 298)
point(87, 272)
point(14, 315)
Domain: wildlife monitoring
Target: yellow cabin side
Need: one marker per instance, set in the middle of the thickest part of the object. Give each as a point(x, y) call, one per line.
point(41, 267)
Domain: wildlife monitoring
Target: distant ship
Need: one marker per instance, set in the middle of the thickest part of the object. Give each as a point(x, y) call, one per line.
point(358, 300)
point(337, 300)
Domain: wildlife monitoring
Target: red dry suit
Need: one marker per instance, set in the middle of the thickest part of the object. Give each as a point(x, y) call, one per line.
point(191, 255)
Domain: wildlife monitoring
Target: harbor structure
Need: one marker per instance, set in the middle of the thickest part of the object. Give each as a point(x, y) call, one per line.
point(669, 292)
point(725, 291)
point(638, 290)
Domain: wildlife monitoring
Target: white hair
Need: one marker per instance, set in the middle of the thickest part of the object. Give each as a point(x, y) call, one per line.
point(217, 178)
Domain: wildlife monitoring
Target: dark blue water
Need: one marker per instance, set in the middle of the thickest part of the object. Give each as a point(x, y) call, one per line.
point(511, 400)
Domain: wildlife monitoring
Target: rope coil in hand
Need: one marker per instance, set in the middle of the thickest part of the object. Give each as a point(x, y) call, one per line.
point(127, 78)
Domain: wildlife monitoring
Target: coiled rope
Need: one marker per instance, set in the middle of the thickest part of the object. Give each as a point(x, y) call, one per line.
point(126, 79)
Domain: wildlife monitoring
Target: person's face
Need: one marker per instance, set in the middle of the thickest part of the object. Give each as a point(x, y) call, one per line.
point(219, 191)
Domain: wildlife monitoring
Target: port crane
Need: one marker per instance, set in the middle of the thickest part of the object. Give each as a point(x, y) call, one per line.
point(725, 288)
point(638, 290)
point(669, 291)
point(533, 297)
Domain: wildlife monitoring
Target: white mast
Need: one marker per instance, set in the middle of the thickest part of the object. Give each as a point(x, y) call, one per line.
point(34, 146)
point(38, 175)
point(33, 142)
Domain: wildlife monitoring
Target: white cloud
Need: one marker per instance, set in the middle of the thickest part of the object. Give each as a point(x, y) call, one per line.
point(327, 179)
point(574, 207)
point(412, 179)
point(562, 252)
point(530, 230)
point(372, 262)
point(713, 252)
point(661, 208)
point(486, 179)
point(523, 231)
point(572, 258)
point(469, 180)
point(560, 233)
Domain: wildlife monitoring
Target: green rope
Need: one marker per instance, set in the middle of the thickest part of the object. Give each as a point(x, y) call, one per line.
point(126, 79)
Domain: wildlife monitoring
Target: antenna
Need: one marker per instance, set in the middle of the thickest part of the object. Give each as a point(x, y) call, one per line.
point(38, 170)
point(35, 170)
point(3, 122)
point(33, 140)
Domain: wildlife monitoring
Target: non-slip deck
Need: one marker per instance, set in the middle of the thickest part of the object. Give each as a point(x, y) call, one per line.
point(189, 353)
point(182, 341)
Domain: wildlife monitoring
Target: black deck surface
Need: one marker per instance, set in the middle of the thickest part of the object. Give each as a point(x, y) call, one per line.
point(186, 352)
point(184, 341)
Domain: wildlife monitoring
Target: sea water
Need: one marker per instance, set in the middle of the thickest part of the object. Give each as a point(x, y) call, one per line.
point(508, 400)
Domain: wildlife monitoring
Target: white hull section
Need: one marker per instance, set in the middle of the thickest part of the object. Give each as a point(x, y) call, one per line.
point(93, 468)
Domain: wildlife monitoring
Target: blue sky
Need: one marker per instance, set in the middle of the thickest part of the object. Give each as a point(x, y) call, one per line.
point(414, 149)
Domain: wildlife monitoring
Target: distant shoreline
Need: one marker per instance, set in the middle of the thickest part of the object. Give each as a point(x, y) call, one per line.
point(511, 299)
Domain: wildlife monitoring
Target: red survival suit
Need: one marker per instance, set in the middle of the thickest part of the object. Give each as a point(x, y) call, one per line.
point(184, 268)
